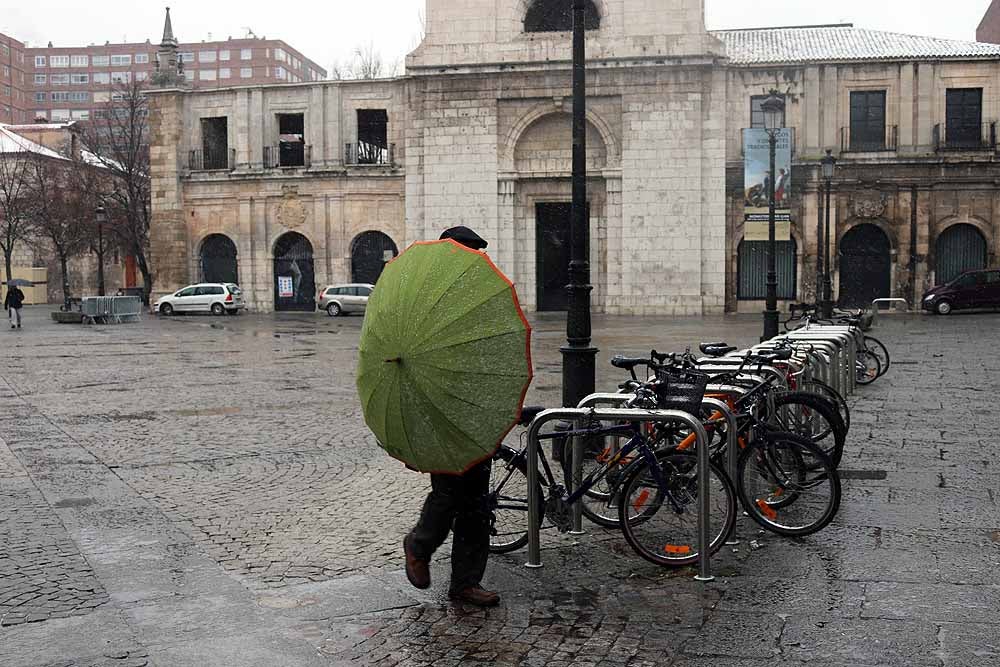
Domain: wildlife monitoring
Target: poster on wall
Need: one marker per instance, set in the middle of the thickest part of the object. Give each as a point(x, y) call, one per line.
point(285, 289)
point(756, 182)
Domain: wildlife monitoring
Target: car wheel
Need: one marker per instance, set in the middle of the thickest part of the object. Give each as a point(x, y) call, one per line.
point(333, 310)
point(943, 307)
point(218, 309)
point(166, 309)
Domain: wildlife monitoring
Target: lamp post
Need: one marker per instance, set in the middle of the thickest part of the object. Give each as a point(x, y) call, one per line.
point(579, 356)
point(100, 216)
point(774, 119)
point(829, 164)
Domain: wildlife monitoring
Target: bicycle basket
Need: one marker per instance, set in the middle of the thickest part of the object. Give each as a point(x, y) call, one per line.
point(680, 389)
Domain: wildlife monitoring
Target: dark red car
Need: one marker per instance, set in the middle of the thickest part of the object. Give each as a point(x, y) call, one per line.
point(974, 289)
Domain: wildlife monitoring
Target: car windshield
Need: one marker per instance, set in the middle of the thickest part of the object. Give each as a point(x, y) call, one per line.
point(968, 280)
point(234, 290)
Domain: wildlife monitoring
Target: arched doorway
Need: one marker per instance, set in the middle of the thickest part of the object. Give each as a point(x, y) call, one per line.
point(865, 266)
point(369, 253)
point(218, 260)
point(294, 278)
point(959, 248)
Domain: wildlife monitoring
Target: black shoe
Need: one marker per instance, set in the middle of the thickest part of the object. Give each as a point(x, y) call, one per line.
point(477, 596)
point(417, 571)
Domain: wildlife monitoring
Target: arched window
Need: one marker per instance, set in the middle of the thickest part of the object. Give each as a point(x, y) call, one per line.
point(751, 270)
point(557, 16)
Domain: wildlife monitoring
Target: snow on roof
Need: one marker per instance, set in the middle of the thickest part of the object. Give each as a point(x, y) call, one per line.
point(12, 142)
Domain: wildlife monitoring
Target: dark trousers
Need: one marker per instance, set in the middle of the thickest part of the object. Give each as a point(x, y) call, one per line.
point(457, 503)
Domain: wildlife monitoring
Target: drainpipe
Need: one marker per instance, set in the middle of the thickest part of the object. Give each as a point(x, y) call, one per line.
point(913, 247)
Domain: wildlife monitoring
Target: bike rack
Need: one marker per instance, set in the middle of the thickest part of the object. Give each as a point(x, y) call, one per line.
point(835, 344)
point(732, 455)
point(630, 415)
point(888, 302)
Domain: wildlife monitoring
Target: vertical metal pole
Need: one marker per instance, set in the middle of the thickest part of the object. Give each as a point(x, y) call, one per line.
point(819, 244)
point(534, 518)
point(704, 507)
point(771, 313)
point(827, 285)
point(914, 294)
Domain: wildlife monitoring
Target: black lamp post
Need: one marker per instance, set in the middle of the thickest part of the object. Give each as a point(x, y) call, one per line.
point(579, 356)
point(829, 164)
point(100, 216)
point(774, 119)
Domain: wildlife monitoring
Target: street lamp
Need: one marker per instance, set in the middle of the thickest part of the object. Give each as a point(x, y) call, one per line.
point(100, 216)
point(774, 119)
point(829, 165)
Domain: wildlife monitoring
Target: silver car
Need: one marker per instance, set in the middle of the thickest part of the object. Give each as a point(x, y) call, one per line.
point(338, 299)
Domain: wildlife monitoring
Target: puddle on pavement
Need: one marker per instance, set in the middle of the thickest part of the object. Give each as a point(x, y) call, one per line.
point(73, 502)
point(206, 412)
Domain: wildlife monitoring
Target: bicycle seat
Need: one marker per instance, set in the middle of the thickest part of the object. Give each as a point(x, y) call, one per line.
point(528, 414)
point(775, 355)
point(716, 349)
point(628, 363)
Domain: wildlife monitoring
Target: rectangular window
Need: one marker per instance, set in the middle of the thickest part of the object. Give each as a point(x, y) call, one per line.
point(757, 114)
point(206, 75)
point(141, 76)
point(141, 58)
point(78, 61)
point(6, 90)
point(291, 140)
point(188, 75)
point(82, 114)
point(59, 61)
point(59, 79)
point(964, 118)
point(225, 73)
point(5, 49)
point(79, 79)
point(6, 71)
point(60, 114)
point(206, 56)
point(101, 61)
point(224, 54)
point(215, 143)
point(121, 60)
point(867, 120)
point(121, 77)
point(41, 113)
point(40, 79)
point(373, 136)
point(39, 61)
point(79, 97)
point(279, 55)
point(41, 97)
point(102, 77)
point(279, 72)
point(246, 54)
point(187, 57)
point(102, 97)
point(246, 73)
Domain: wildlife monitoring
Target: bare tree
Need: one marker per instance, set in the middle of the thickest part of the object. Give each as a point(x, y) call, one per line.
point(118, 140)
point(365, 63)
point(15, 183)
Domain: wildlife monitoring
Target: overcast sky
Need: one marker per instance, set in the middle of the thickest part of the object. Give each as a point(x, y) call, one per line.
point(329, 31)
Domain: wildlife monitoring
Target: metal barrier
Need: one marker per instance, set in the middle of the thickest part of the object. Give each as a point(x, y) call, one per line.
point(888, 302)
point(110, 309)
point(629, 415)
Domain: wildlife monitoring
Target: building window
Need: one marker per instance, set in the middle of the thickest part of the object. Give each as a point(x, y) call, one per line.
point(279, 72)
point(246, 73)
point(79, 79)
point(121, 77)
point(279, 55)
point(121, 60)
point(42, 114)
point(188, 75)
point(224, 54)
point(39, 61)
point(59, 79)
point(70, 97)
point(78, 61)
point(40, 79)
point(867, 120)
point(102, 97)
point(373, 136)
point(215, 143)
point(59, 61)
point(40, 98)
point(246, 54)
point(5, 49)
point(291, 140)
point(206, 75)
point(553, 16)
point(6, 90)
point(141, 58)
point(141, 76)
point(6, 72)
point(60, 114)
point(964, 118)
point(757, 114)
point(101, 61)
point(82, 114)
point(751, 269)
point(206, 56)
point(225, 73)
point(102, 77)
point(186, 57)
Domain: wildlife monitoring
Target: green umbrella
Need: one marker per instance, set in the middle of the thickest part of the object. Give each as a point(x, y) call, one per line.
point(445, 358)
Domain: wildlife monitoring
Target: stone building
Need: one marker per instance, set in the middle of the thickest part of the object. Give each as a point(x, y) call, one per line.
point(327, 180)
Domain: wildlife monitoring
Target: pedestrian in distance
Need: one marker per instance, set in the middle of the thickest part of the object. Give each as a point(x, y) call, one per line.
point(456, 504)
point(12, 304)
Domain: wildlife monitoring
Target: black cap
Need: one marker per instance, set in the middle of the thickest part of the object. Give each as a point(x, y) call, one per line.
point(466, 237)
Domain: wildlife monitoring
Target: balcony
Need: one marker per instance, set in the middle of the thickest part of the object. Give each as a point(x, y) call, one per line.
point(212, 160)
point(288, 155)
point(867, 142)
point(365, 154)
point(982, 138)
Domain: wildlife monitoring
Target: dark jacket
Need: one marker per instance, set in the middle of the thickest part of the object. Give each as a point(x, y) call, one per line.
point(15, 298)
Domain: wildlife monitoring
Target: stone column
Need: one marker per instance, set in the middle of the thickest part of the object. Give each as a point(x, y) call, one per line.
point(168, 233)
point(504, 253)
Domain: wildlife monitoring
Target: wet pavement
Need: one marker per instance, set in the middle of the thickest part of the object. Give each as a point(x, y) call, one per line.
point(202, 491)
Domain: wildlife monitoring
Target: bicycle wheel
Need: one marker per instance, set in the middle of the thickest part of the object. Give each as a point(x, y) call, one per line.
point(600, 502)
point(823, 389)
point(811, 416)
point(876, 347)
point(664, 530)
point(508, 501)
point(787, 484)
point(868, 368)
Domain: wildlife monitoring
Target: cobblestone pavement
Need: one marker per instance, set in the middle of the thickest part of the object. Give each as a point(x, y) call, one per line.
point(201, 491)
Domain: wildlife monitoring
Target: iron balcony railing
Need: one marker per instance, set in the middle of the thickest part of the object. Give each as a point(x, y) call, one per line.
point(867, 142)
point(971, 138)
point(363, 153)
point(212, 160)
point(288, 155)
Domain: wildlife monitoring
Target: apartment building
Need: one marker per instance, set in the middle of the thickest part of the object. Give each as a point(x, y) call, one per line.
point(14, 98)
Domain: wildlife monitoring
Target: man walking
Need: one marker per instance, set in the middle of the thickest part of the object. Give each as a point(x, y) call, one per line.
point(13, 303)
point(456, 503)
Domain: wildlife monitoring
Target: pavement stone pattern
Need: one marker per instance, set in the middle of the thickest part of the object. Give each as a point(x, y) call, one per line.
point(202, 491)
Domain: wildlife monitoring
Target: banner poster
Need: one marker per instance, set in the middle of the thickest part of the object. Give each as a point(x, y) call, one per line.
point(756, 180)
point(285, 290)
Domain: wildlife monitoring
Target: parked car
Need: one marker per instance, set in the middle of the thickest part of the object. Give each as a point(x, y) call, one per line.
point(973, 289)
point(338, 299)
point(215, 298)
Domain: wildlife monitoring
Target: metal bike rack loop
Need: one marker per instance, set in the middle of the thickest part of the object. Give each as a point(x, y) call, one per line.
point(629, 415)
